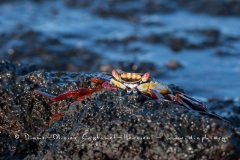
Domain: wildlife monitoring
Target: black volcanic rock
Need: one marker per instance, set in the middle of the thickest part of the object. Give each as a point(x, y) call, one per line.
point(108, 125)
point(215, 7)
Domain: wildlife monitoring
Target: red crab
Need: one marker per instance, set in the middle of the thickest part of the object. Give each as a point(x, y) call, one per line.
point(132, 83)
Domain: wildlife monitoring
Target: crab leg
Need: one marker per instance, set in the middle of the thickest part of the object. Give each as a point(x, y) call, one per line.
point(194, 104)
point(56, 116)
point(197, 105)
point(100, 78)
point(155, 94)
point(178, 100)
point(73, 94)
point(107, 85)
point(186, 101)
point(80, 94)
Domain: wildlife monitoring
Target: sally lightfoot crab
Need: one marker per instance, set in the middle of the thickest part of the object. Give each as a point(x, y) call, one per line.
point(132, 83)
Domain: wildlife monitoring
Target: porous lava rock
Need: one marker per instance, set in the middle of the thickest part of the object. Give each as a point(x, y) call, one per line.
point(107, 125)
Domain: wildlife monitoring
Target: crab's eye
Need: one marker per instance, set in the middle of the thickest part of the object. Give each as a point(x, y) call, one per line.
point(115, 75)
point(145, 77)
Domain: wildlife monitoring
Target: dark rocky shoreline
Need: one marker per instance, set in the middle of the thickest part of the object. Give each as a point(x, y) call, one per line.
point(101, 126)
point(57, 46)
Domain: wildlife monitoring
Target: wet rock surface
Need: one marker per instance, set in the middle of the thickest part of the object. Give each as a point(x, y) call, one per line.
point(29, 46)
point(109, 125)
point(214, 7)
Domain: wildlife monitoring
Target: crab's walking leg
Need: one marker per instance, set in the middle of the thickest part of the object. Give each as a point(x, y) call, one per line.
point(99, 79)
point(54, 98)
point(197, 105)
point(73, 94)
point(80, 94)
point(44, 94)
point(178, 100)
point(155, 94)
point(194, 104)
point(160, 91)
point(107, 85)
point(56, 116)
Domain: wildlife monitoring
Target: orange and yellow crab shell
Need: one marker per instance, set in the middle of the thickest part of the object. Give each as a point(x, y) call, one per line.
point(135, 82)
